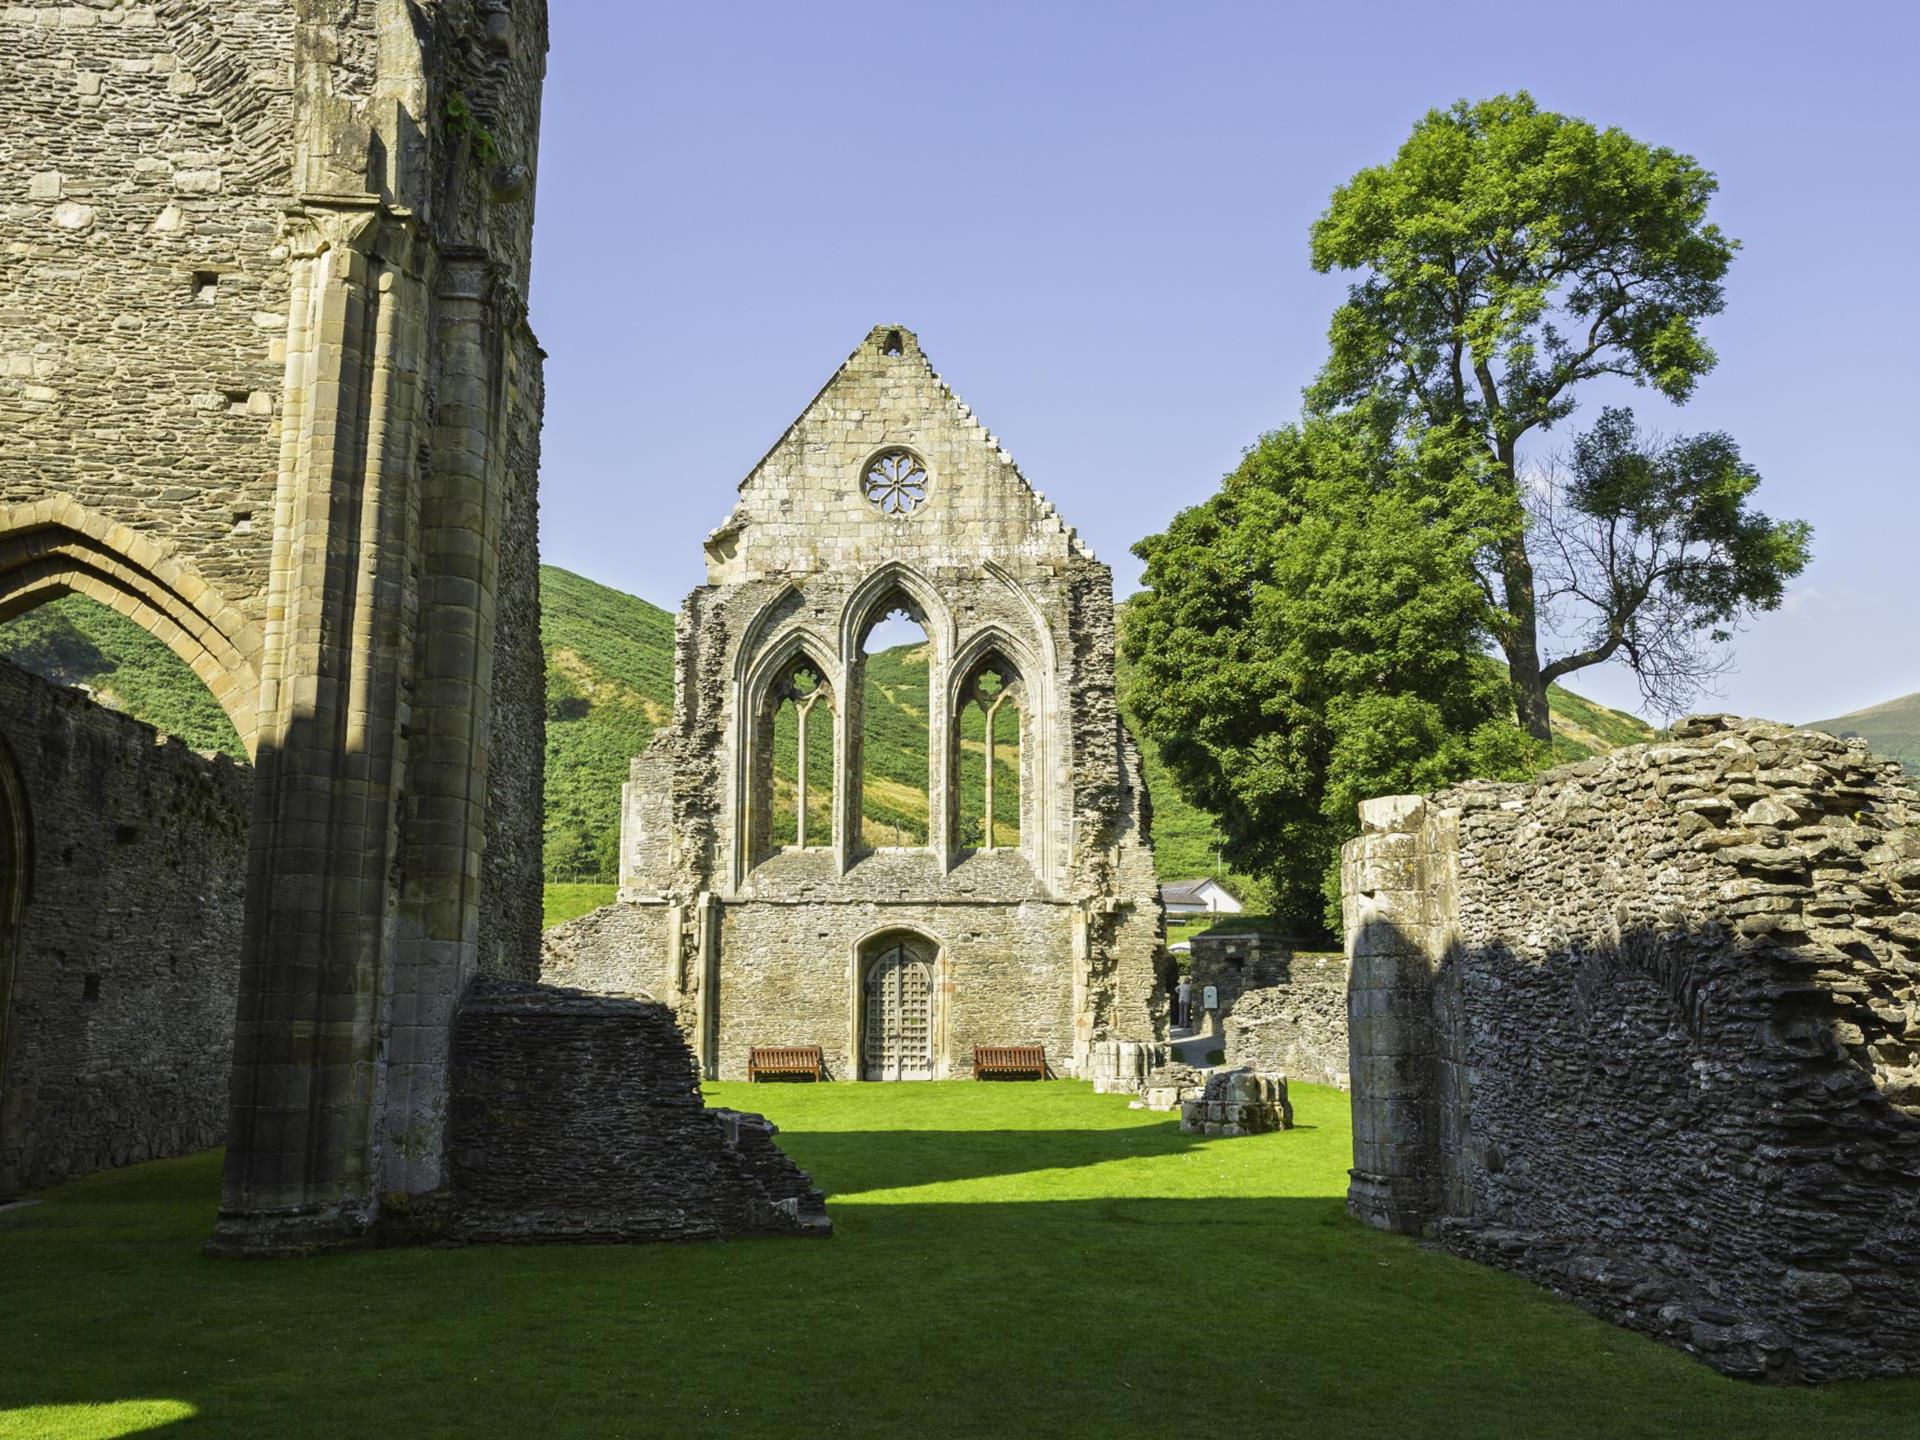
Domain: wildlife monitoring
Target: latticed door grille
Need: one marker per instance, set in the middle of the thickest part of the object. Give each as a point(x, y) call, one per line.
point(899, 1020)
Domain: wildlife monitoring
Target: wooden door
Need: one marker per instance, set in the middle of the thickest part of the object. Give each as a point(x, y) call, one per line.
point(898, 1040)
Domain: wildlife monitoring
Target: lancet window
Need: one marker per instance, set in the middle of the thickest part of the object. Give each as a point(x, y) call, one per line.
point(989, 733)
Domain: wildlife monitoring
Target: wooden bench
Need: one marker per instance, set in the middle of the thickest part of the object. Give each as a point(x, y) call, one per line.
point(1023, 1060)
point(765, 1060)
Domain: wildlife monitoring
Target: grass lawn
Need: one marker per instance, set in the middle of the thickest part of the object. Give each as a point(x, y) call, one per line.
point(1012, 1260)
point(563, 902)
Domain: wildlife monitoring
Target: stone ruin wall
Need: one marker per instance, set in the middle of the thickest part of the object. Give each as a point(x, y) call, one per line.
point(1055, 942)
point(116, 1031)
point(145, 161)
point(269, 390)
point(1648, 1031)
point(1295, 1025)
point(578, 1117)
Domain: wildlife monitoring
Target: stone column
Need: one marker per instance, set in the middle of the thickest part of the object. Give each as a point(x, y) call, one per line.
point(1392, 920)
point(298, 1167)
point(706, 1027)
point(437, 929)
point(1083, 1018)
point(847, 718)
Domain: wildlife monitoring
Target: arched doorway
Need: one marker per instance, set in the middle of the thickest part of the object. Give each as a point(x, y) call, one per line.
point(897, 996)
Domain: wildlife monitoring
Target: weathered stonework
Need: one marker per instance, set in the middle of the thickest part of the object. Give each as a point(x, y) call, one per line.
point(267, 388)
point(1053, 940)
point(1295, 1025)
point(1121, 1067)
point(1649, 1031)
point(1238, 1102)
point(121, 854)
point(1233, 962)
point(579, 1117)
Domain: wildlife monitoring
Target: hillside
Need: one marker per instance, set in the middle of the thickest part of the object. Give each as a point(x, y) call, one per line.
point(80, 642)
point(610, 683)
point(1891, 728)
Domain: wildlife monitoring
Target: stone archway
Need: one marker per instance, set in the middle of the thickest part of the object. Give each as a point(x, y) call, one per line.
point(899, 1008)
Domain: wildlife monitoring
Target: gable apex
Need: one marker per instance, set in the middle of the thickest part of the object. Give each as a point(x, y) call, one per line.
point(885, 397)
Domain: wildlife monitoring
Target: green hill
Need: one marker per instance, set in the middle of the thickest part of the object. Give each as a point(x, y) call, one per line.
point(80, 642)
point(610, 683)
point(1891, 728)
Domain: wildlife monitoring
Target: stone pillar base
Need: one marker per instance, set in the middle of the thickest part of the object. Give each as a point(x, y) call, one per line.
point(286, 1234)
point(1388, 1202)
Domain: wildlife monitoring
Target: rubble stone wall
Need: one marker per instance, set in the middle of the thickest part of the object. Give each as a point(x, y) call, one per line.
point(125, 860)
point(1003, 977)
point(614, 950)
point(268, 389)
point(1648, 1030)
point(578, 1117)
point(1235, 962)
point(1295, 1026)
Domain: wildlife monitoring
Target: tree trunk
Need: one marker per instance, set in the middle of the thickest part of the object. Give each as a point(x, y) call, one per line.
point(1521, 641)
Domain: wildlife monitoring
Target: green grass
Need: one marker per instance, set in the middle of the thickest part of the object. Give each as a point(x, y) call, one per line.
point(1029, 1260)
point(1583, 727)
point(563, 902)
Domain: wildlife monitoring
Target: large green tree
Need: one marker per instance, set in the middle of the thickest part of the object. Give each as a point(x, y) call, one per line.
point(1312, 635)
point(1508, 256)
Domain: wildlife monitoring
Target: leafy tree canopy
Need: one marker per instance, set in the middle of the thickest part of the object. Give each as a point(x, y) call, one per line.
point(1313, 635)
point(1649, 549)
point(1507, 256)
point(1512, 253)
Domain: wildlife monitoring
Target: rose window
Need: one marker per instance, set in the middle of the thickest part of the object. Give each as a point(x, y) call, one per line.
point(896, 482)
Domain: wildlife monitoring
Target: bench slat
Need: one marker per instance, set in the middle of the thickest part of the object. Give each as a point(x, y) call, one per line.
point(785, 1060)
point(1010, 1060)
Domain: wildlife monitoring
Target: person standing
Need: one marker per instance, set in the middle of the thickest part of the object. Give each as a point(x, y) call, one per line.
point(1183, 1003)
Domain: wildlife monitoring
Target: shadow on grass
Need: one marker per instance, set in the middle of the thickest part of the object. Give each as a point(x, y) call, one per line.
point(1062, 1286)
point(1267, 1316)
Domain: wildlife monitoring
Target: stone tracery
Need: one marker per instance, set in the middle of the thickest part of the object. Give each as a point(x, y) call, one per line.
point(1050, 916)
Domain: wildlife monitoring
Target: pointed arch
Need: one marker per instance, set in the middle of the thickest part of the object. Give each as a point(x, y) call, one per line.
point(894, 585)
point(760, 695)
point(1033, 699)
point(874, 595)
point(784, 604)
point(57, 546)
point(991, 724)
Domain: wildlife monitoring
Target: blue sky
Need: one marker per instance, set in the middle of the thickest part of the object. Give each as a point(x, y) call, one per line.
point(1096, 218)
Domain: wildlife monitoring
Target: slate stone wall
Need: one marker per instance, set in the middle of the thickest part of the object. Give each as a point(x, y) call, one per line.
point(1296, 1026)
point(145, 155)
point(1649, 1031)
point(615, 950)
point(264, 356)
point(578, 1117)
point(116, 1028)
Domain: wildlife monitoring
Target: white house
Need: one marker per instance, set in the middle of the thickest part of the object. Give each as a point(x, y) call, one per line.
point(1199, 897)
